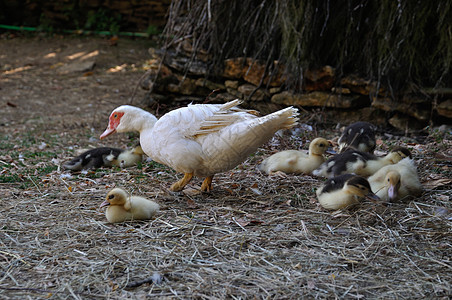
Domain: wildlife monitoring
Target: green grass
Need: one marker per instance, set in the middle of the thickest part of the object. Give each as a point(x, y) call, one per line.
point(11, 178)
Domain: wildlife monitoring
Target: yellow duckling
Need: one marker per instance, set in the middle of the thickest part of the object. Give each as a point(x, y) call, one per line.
point(105, 157)
point(359, 163)
point(359, 136)
point(396, 181)
point(122, 207)
point(343, 191)
point(294, 161)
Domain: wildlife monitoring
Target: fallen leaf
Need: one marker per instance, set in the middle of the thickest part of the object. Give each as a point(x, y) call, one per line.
point(256, 222)
point(242, 222)
point(432, 184)
point(441, 211)
point(235, 186)
point(191, 191)
point(191, 203)
point(256, 191)
point(443, 197)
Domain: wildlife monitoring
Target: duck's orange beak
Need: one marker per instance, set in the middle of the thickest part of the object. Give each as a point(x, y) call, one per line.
point(107, 132)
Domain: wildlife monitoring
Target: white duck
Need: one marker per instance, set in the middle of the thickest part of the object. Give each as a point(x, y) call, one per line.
point(396, 181)
point(122, 207)
point(295, 161)
point(201, 139)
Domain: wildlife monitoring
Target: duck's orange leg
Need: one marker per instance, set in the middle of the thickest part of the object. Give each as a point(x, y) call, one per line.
point(179, 186)
point(206, 185)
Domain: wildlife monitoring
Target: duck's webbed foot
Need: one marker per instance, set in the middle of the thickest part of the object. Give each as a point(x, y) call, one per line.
point(207, 184)
point(179, 186)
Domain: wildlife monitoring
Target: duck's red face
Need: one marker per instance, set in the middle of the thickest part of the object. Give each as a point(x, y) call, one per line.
point(114, 120)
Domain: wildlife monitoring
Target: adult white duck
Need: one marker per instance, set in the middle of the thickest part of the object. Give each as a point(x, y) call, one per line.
point(201, 139)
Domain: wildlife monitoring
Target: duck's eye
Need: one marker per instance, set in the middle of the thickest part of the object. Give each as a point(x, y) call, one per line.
point(115, 116)
point(111, 196)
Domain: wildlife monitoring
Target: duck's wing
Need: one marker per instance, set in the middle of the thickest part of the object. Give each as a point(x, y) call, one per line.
point(225, 146)
point(226, 115)
point(176, 138)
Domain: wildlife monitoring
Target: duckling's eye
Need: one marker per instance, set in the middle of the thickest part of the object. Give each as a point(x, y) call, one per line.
point(322, 145)
point(111, 196)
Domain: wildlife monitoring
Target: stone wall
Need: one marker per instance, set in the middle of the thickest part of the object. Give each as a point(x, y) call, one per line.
point(175, 76)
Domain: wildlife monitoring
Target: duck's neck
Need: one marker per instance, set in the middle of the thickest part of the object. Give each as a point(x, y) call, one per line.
point(142, 121)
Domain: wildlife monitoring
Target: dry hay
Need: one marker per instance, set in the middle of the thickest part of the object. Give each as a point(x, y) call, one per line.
point(253, 237)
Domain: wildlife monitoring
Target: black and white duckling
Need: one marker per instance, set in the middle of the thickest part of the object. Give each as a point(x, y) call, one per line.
point(359, 136)
point(105, 157)
point(122, 207)
point(359, 163)
point(343, 191)
point(396, 181)
point(295, 161)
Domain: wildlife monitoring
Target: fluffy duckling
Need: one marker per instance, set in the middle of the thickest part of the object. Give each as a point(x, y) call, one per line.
point(359, 163)
point(122, 207)
point(343, 191)
point(105, 157)
point(359, 136)
point(294, 161)
point(396, 181)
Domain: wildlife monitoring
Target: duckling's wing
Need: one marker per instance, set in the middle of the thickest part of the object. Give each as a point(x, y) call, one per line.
point(341, 163)
point(409, 177)
point(281, 161)
point(93, 158)
point(74, 164)
point(335, 183)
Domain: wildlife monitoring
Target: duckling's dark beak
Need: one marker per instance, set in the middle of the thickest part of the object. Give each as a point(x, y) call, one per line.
point(105, 203)
point(371, 196)
point(330, 151)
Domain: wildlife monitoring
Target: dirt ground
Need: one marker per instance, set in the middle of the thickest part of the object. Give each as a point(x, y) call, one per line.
point(254, 236)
